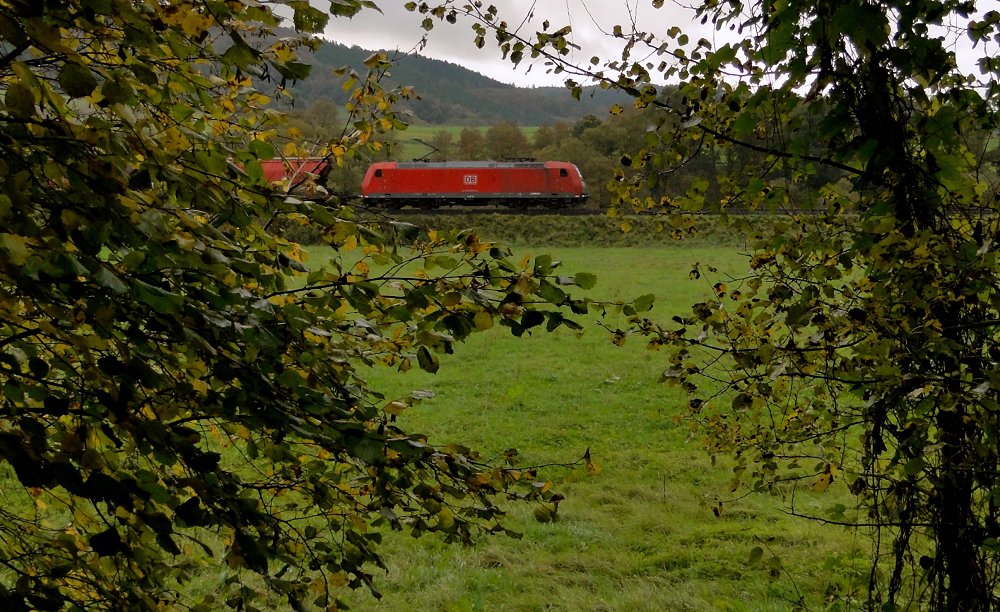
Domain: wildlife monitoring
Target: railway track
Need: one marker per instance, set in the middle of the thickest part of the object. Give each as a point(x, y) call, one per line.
point(493, 210)
point(413, 211)
point(565, 212)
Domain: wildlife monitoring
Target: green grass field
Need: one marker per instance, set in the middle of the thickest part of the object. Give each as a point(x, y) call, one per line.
point(409, 146)
point(641, 534)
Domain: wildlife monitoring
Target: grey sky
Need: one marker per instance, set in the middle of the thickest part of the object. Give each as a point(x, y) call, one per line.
point(591, 20)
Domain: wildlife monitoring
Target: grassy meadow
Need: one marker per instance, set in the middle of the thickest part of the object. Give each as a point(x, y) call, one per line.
point(640, 534)
point(408, 146)
point(647, 532)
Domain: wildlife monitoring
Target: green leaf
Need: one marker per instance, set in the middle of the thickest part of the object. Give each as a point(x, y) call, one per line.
point(346, 8)
point(585, 280)
point(240, 55)
point(117, 90)
point(295, 71)
point(550, 293)
point(16, 247)
point(532, 318)
point(107, 278)
point(914, 466)
point(77, 80)
point(545, 514)
point(160, 300)
point(108, 543)
point(19, 100)
point(308, 19)
point(427, 360)
point(644, 302)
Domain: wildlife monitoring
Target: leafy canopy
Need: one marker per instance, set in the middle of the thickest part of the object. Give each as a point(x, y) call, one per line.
point(179, 387)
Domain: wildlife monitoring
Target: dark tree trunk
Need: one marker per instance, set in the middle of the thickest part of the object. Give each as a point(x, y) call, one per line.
point(959, 575)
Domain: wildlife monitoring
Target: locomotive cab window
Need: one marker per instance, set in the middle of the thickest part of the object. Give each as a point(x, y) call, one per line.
point(378, 173)
point(563, 172)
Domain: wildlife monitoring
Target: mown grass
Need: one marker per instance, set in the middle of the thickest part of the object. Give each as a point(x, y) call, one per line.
point(641, 534)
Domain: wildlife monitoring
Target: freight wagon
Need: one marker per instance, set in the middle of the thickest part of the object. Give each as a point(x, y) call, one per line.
point(432, 184)
point(297, 169)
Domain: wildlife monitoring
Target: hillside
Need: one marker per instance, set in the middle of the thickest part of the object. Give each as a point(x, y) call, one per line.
point(454, 95)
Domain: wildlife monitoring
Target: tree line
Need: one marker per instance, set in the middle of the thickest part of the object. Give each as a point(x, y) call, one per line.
point(449, 94)
point(612, 148)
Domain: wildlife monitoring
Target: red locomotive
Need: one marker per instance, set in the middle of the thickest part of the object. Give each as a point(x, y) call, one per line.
point(432, 184)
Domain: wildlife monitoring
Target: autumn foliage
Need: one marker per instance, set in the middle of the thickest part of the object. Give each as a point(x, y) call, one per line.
point(179, 388)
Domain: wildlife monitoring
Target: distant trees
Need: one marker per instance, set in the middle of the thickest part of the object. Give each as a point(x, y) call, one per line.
point(443, 145)
point(471, 144)
point(320, 122)
point(549, 135)
point(504, 140)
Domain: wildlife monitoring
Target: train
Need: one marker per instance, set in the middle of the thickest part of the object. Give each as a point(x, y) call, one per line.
point(552, 184)
point(279, 169)
point(298, 170)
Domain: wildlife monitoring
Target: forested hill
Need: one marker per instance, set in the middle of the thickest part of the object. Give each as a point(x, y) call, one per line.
point(451, 94)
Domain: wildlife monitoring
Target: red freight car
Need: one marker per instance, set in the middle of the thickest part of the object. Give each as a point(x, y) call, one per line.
point(305, 175)
point(431, 184)
point(293, 167)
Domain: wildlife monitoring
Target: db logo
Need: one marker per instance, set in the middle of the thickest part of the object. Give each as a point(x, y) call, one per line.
point(471, 179)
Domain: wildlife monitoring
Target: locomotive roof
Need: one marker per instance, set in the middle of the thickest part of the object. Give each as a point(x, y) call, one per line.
point(472, 164)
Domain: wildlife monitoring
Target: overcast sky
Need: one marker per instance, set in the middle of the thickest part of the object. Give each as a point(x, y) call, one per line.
point(591, 21)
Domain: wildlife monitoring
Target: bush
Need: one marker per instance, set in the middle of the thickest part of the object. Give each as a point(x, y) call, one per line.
point(582, 230)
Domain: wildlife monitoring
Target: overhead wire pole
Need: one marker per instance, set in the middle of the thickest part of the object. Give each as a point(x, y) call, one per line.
point(432, 148)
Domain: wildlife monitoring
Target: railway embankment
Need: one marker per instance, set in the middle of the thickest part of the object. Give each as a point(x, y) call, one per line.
point(580, 230)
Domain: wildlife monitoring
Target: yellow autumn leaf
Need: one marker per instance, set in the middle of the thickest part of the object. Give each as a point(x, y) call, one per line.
point(338, 579)
point(195, 24)
point(174, 141)
point(822, 483)
point(478, 480)
point(282, 52)
point(483, 320)
point(314, 338)
point(395, 408)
